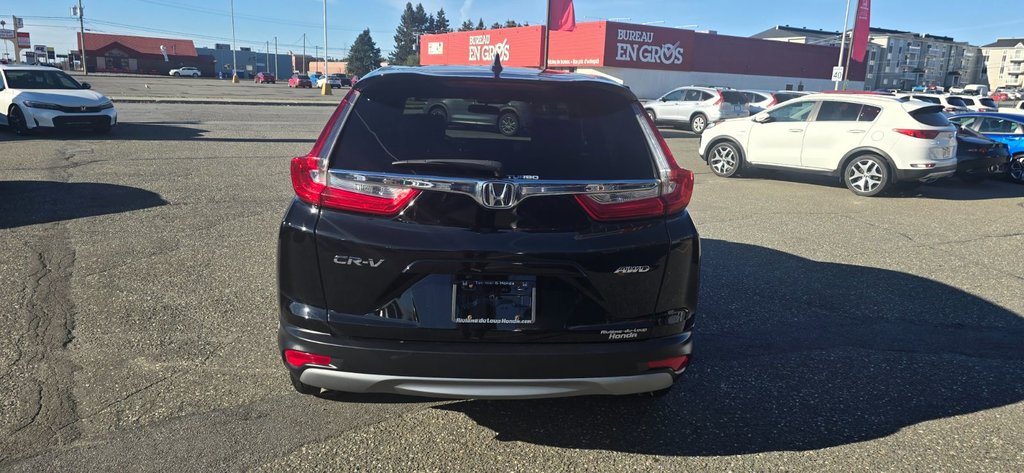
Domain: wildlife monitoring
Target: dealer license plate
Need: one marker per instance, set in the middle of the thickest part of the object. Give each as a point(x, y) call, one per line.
point(500, 300)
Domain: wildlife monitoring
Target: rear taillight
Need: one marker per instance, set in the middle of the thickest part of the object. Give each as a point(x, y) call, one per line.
point(672, 196)
point(299, 359)
point(922, 134)
point(721, 99)
point(774, 101)
point(675, 363)
point(314, 185)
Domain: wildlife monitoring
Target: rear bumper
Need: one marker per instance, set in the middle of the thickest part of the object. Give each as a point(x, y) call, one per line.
point(464, 388)
point(994, 164)
point(481, 369)
point(925, 175)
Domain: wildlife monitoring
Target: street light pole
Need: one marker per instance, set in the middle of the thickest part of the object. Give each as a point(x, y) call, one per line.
point(81, 28)
point(234, 46)
point(326, 89)
point(842, 43)
point(275, 57)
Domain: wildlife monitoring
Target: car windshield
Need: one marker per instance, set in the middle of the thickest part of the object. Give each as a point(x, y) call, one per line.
point(546, 131)
point(43, 79)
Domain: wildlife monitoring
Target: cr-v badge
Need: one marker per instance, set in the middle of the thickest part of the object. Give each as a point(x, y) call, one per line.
point(632, 269)
point(355, 261)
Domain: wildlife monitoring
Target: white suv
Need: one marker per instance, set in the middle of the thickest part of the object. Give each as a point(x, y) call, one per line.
point(952, 105)
point(870, 141)
point(977, 103)
point(696, 107)
point(185, 72)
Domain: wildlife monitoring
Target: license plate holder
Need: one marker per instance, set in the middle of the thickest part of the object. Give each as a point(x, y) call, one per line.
point(502, 300)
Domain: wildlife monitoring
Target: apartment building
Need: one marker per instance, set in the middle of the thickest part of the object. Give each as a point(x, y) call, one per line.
point(1004, 60)
point(901, 59)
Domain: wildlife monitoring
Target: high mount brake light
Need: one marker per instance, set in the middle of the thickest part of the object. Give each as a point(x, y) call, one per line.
point(671, 197)
point(313, 184)
point(922, 134)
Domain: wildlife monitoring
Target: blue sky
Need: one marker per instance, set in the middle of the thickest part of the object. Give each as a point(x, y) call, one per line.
point(257, 21)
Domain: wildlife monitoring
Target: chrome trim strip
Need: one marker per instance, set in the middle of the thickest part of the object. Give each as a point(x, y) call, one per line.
point(332, 137)
point(469, 388)
point(476, 188)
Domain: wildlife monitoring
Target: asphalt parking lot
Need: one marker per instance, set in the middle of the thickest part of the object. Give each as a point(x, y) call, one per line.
point(835, 333)
point(154, 88)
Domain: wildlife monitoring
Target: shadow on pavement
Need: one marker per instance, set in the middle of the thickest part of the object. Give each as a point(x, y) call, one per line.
point(149, 131)
point(34, 202)
point(795, 354)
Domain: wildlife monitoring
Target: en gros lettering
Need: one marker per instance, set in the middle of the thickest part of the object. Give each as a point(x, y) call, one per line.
point(637, 46)
point(481, 49)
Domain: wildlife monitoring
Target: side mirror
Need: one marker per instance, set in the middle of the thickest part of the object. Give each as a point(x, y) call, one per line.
point(86, 85)
point(663, 99)
point(762, 118)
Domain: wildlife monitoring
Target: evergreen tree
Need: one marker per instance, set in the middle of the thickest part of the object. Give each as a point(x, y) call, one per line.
point(363, 56)
point(441, 23)
point(431, 25)
point(405, 36)
point(480, 25)
point(511, 24)
point(466, 26)
point(495, 25)
point(421, 20)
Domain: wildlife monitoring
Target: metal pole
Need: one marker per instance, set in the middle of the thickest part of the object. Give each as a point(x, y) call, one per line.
point(267, 65)
point(547, 37)
point(326, 89)
point(17, 48)
point(303, 69)
point(81, 28)
point(234, 46)
point(846, 70)
point(275, 57)
point(842, 44)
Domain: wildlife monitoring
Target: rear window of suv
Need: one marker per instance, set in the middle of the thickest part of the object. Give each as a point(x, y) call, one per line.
point(956, 102)
point(734, 97)
point(988, 103)
point(563, 131)
point(931, 116)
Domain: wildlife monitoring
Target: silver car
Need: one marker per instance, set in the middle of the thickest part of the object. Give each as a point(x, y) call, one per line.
point(509, 118)
point(696, 107)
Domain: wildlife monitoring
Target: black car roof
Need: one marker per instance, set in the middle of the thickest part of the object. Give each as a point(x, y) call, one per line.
point(484, 72)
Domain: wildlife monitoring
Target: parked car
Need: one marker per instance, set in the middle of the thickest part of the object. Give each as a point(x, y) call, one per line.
point(978, 157)
point(33, 97)
point(870, 141)
point(508, 118)
point(979, 104)
point(300, 80)
point(696, 107)
point(976, 89)
point(426, 261)
point(758, 100)
point(265, 78)
point(335, 81)
point(950, 105)
point(185, 72)
point(1005, 128)
point(1000, 96)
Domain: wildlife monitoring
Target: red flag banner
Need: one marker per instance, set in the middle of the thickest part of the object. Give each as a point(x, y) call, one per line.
point(561, 15)
point(861, 30)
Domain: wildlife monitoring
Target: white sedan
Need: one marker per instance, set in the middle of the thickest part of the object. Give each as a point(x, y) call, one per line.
point(34, 97)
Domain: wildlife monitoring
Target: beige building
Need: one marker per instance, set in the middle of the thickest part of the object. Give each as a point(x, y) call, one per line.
point(1004, 60)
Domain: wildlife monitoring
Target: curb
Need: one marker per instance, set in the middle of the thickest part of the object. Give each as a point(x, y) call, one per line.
point(212, 101)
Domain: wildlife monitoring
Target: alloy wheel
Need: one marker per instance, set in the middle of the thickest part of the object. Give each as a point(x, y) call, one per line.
point(1017, 169)
point(698, 124)
point(723, 160)
point(865, 175)
point(508, 124)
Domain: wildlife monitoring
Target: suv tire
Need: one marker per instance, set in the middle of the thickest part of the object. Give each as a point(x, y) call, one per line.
point(1015, 170)
point(698, 123)
point(16, 121)
point(724, 159)
point(866, 175)
point(177, 74)
point(508, 124)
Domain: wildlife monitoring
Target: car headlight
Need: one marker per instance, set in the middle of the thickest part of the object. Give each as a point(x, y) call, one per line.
point(50, 106)
point(106, 105)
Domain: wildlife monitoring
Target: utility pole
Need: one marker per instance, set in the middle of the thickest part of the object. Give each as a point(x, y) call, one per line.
point(842, 44)
point(316, 51)
point(326, 89)
point(267, 65)
point(81, 29)
point(303, 69)
point(234, 46)
point(275, 56)
point(17, 48)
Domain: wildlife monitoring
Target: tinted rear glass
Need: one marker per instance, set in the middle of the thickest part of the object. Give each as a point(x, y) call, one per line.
point(782, 96)
point(955, 101)
point(928, 99)
point(967, 101)
point(562, 130)
point(988, 103)
point(838, 112)
point(734, 97)
point(930, 116)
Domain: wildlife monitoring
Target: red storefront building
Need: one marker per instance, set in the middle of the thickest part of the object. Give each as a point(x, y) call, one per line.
point(650, 60)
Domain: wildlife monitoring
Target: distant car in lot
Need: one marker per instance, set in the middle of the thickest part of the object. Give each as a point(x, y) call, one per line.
point(1006, 128)
point(696, 107)
point(869, 141)
point(1000, 96)
point(979, 103)
point(950, 105)
point(300, 80)
point(416, 259)
point(508, 118)
point(978, 157)
point(265, 78)
point(335, 81)
point(758, 100)
point(185, 72)
point(34, 97)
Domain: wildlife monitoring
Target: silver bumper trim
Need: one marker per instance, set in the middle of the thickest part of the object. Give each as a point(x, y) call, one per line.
point(466, 388)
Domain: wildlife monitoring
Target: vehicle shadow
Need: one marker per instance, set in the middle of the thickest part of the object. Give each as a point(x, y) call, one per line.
point(34, 202)
point(795, 354)
point(950, 188)
point(152, 131)
point(669, 132)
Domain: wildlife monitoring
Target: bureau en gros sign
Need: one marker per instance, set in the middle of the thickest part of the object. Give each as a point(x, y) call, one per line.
point(638, 46)
point(481, 49)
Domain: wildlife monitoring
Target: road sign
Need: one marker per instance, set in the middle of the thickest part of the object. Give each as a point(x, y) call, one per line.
point(39, 49)
point(24, 41)
point(6, 34)
point(837, 73)
point(18, 23)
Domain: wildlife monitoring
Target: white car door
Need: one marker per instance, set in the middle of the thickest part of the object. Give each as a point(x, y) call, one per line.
point(779, 139)
point(6, 97)
point(837, 128)
point(667, 107)
point(691, 101)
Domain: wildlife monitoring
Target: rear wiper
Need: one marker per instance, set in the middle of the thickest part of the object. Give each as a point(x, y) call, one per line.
point(468, 165)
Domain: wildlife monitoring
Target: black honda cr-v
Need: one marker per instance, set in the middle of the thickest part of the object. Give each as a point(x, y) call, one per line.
point(461, 233)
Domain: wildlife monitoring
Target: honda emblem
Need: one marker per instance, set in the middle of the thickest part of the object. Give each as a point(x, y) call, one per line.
point(498, 195)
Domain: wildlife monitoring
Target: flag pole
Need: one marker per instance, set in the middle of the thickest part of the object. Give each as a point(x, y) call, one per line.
point(842, 43)
point(547, 37)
